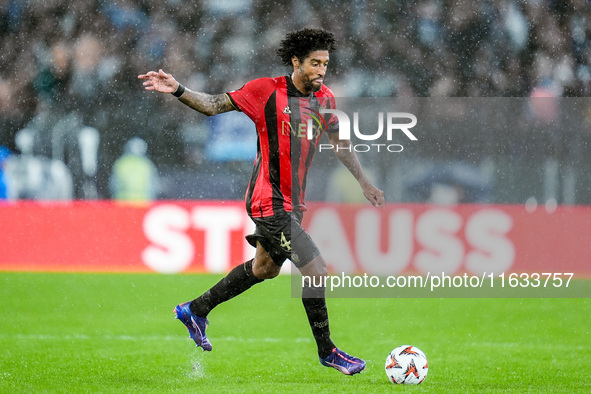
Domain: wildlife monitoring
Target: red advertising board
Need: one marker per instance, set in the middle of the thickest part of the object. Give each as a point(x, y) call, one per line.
point(113, 237)
point(208, 236)
point(420, 238)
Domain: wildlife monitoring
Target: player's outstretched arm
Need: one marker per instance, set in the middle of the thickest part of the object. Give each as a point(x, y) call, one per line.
point(348, 157)
point(205, 103)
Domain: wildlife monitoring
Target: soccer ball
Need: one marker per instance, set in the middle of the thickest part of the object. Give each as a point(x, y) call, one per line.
point(406, 365)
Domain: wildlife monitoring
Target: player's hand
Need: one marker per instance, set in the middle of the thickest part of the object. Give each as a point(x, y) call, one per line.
point(159, 81)
point(374, 195)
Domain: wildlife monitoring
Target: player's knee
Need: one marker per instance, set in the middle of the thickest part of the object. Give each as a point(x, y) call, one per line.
point(315, 268)
point(268, 273)
point(318, 272)
point(265, 269)
point(272, 273)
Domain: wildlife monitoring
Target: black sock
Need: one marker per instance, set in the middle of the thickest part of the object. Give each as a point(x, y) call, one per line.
point(240, 279)
point(315, 306)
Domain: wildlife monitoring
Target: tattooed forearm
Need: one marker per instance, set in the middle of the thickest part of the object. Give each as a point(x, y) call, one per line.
point(206, 103)
point(350, 160)
point(346, 155)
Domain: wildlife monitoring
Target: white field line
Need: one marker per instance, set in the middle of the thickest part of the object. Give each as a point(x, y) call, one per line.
point(140, 338)
point(182, 337)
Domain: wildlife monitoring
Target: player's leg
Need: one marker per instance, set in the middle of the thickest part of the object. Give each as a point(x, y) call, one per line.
point(263, 266)
point(306, 257)
point(313, 298)
point(238, 280)
point(194, 314)
point(313, 269)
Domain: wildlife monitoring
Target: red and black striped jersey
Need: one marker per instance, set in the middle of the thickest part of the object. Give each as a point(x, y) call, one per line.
point(280, 113)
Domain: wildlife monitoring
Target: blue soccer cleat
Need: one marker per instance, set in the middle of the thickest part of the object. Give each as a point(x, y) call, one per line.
point(343, 362)
point(195, 324)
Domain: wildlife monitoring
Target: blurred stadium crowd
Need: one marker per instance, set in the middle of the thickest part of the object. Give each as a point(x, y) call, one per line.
point(66, 66)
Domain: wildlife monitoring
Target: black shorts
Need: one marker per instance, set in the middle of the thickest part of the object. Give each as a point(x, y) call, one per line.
point(283, 237)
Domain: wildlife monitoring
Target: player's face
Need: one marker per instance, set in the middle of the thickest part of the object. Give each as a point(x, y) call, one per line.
point(309, 74)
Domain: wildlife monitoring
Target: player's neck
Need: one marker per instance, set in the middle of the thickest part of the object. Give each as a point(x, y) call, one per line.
point(297, 82)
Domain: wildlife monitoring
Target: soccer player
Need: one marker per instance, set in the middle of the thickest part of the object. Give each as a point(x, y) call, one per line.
point(280, 108)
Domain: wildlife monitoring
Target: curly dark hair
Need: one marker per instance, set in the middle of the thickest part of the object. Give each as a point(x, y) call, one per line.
point(302, 42)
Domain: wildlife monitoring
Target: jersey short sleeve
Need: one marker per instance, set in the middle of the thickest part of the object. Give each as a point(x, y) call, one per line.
point(251, 97)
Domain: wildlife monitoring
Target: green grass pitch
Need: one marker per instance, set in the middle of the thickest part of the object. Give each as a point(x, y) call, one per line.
point(116, 333)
